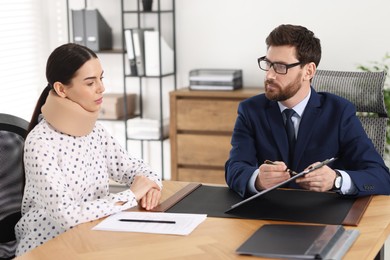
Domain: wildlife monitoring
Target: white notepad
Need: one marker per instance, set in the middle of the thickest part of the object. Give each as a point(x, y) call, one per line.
point(176, 223)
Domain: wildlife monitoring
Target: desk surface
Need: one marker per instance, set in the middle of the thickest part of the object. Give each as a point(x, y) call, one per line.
point(216, 238)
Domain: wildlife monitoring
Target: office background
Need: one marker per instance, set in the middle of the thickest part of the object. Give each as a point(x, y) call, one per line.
point(231, 33)
point(209, 34)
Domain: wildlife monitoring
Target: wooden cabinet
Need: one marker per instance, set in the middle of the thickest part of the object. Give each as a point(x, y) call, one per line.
point(201, 126)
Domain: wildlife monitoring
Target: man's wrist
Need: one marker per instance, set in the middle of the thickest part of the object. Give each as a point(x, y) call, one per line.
point(338, 181)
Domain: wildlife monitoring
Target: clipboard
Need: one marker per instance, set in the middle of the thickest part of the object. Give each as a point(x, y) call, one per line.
point(281, 184)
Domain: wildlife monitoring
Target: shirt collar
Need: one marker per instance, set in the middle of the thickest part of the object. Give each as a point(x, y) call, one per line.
point(298, 108)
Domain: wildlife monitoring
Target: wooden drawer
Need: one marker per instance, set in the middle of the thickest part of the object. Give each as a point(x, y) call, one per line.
point(202, 175)
point(201, 127)
point(203, 150)
point(206, 114)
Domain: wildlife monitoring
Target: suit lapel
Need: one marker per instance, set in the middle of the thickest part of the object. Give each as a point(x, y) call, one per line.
point(277, 128)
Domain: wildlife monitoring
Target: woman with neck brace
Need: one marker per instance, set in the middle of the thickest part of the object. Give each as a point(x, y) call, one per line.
point(69, 158)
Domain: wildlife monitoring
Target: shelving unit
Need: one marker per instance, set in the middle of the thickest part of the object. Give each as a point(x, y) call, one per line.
point(133, 16)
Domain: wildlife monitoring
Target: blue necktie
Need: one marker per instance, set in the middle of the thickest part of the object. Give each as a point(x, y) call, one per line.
point(290, 130)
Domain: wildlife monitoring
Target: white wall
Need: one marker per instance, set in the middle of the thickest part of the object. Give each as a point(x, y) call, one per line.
point(231, 33)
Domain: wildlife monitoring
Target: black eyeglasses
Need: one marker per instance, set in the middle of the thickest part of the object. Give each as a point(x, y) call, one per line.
point(279, 68)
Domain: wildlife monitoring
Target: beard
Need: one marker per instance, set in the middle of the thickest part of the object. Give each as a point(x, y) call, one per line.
point(278, 93)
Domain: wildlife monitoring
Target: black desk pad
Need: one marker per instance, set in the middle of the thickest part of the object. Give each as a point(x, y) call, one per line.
point(279, 204)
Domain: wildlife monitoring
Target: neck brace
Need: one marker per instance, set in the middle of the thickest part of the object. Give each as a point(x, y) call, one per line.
point(67, 116)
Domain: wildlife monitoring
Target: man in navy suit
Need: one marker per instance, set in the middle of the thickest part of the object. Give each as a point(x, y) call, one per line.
point(322, 125)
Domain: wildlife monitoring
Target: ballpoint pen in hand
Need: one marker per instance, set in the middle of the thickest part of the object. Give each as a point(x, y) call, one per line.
point(291, 172)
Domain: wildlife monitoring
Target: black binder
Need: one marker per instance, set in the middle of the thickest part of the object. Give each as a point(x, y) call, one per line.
point(78, 22)
point(299, 241)
point(98, 34)
point(91, 30)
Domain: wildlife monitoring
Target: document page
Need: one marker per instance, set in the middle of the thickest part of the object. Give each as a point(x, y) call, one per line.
point(152, 222)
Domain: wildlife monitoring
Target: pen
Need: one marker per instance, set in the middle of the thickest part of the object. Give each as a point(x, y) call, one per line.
point(148, 221)
point(291, 172)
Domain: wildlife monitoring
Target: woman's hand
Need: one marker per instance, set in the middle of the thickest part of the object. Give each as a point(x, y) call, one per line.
point(151, 199)
point(146, 191)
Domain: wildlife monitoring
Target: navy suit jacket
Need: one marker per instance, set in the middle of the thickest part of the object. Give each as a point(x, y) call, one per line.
point(328, 128)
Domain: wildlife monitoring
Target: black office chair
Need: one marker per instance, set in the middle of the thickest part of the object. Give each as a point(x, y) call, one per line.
point(13, 131)
point(365, 91)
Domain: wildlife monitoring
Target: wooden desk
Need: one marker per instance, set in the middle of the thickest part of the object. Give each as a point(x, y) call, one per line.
point(216, 238)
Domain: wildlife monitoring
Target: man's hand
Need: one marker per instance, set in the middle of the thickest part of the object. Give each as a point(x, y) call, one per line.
point(271, 174)
point(321, 179)
point(146, 191)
